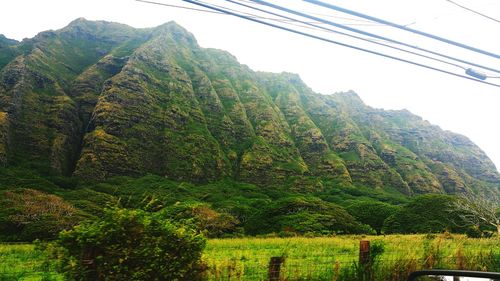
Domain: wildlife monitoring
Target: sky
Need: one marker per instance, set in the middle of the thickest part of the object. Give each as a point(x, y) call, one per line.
point(454, 104)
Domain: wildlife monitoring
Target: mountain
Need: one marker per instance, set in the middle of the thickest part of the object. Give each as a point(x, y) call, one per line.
point(97, 99)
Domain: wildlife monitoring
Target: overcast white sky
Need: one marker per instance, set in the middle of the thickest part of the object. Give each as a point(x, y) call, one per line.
point(455, 104)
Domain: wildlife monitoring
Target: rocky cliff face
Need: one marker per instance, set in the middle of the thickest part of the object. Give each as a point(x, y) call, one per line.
point(99, 99)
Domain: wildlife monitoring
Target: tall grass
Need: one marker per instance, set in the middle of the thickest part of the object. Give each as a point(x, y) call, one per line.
point(24, 262)
point(335, 258)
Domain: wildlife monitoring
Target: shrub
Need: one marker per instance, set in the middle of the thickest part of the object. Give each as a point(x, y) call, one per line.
point(131, 245)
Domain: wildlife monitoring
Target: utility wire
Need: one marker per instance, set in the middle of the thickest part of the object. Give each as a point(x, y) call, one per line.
point(370, 34)
point(291, 20)
point(354, 13)
point(179, 7)
point(334, 16)
point(337, 43)
point(367, 23)
point(347, 34)
point(473, 11)
point(215, 12)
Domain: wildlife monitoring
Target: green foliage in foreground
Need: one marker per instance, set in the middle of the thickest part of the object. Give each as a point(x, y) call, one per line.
point(131, 245)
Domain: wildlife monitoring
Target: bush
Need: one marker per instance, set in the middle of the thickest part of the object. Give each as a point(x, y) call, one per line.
point(205, 219)
point(131, 245)
point(27, 214)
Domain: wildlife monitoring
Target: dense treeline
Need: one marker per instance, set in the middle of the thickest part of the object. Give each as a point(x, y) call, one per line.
point(34, 207)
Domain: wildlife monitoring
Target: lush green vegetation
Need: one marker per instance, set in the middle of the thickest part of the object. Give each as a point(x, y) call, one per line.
point(220, 209)
point(232, 209)
point(209, 142)
point(98, 100)
point(183, 141)
point(322, 258)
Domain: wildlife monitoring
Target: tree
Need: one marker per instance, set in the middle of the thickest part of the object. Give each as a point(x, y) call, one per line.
point(27, 214)
point(305, 214)
point(427, 213)
point(131, 245)
point(477, 209)
point(372, 213)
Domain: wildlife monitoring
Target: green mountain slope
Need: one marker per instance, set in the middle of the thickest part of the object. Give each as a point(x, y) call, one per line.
point(96, 100)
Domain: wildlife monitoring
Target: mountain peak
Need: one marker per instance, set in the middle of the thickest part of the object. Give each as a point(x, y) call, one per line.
point(7, 41)
point(78, 21)
point(171, 24)
point(176, 31)
point(350, 97)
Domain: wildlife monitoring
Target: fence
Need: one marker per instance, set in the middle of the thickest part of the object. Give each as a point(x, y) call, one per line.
point(351, 261)
point(280, 268)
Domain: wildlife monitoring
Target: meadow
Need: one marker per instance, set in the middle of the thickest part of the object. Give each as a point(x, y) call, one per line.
point(24, 262)
point(335, 258)
point(321, 258)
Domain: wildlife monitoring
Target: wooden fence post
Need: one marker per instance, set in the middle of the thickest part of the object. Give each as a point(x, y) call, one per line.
point(364, 252)
point(275, 268)
point(364, 259)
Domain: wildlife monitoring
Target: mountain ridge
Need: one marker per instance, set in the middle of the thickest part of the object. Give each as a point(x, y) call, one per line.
point(100, 99)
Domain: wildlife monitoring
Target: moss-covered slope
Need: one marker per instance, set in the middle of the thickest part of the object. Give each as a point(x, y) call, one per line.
point(99, 99)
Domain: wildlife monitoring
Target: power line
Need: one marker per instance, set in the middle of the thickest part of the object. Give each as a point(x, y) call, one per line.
point(209, 11)
point(336, 42)
point(285, 20)
point(354, 13)
point(179, 7)
point(370, 34)
point(219, 13)
point(291, 21)
point(333, 16)
point(473, 11)
point(346, 34)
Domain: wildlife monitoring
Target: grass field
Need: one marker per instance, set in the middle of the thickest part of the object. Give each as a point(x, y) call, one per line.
point(326, 258)
point(23, 262)
point(332, 258)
